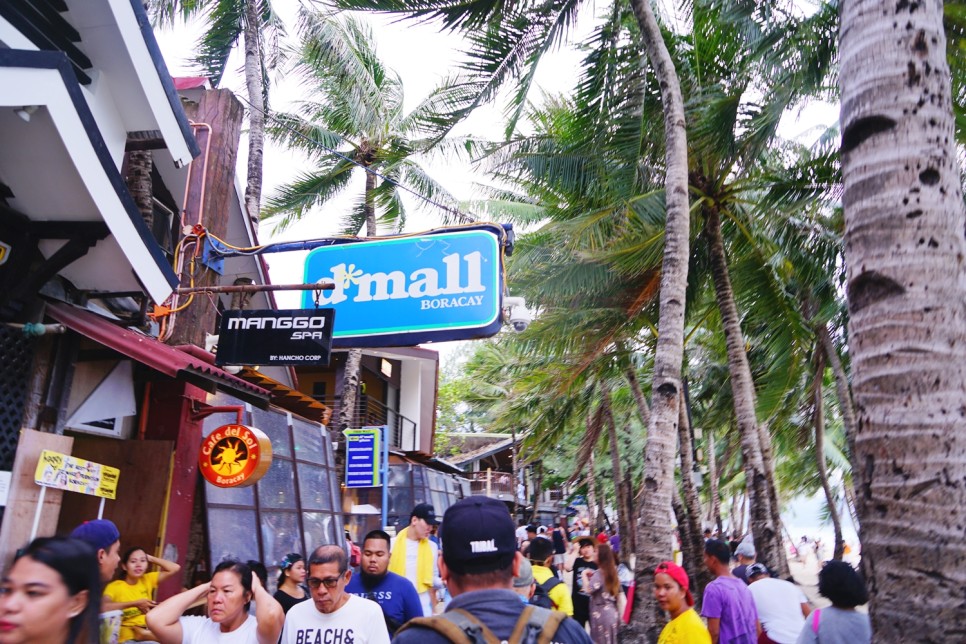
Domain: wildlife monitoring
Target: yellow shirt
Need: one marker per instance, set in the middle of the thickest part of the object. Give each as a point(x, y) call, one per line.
point(686, 628)
point(559, 594)
point(121, 591)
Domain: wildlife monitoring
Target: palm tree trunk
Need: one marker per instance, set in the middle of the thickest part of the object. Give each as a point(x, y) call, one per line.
point(624, 521)
point(819, 422)
point(758, 482)
point(349, 401)
point(842, 392)
point(257, 110)
point(139, 184)
point(904, 251)
point(591, 491)
point(713, 483)
point(639, 398)
point(655, 536)
point(694, 566)
point(352, 376)
point(694, 544)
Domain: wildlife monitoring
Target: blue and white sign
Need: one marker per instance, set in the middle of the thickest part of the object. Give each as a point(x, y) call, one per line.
point(362, 457)
point(401, 291)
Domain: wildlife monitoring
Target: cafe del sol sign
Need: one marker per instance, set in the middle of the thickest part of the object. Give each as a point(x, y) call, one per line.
point(235, 456)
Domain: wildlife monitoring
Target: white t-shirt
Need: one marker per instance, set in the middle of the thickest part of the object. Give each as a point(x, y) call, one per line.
point(359, 621)
point(412, 555)
point(779, 605)
point(201, 630)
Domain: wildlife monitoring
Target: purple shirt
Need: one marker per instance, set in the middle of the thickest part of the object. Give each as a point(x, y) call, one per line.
point(728, 599)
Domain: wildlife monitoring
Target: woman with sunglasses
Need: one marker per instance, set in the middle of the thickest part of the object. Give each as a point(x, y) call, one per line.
point(672, 594)
point(229, 595)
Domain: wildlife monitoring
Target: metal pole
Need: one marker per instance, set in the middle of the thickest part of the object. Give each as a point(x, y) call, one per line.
point(384, 474)
point(256, 288)
point(100, 510)
point(40, 505)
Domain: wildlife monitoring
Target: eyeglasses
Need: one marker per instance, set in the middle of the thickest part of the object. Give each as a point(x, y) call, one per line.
point(330, 582)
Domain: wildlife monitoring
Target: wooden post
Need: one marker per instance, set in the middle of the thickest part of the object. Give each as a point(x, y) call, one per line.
point(209, 201)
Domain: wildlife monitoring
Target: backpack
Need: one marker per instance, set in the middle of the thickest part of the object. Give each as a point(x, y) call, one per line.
point(535, 626)
point(541, 594)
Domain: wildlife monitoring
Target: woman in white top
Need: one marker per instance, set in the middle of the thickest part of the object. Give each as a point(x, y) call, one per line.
point(230, 593)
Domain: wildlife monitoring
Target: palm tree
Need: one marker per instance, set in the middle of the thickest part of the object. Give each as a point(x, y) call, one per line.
point(354, 107)
point(261, 29)
point(904, 254)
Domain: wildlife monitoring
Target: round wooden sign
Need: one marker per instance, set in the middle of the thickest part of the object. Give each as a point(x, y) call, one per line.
point(235, 456)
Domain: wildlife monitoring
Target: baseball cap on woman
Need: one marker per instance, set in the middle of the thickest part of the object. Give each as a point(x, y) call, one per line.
point(678, 574)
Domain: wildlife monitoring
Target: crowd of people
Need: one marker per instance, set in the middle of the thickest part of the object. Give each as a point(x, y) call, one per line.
point(481, 578)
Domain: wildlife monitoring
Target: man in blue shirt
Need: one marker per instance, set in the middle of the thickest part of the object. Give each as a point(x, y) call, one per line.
point(395, 594)
point(479, 561)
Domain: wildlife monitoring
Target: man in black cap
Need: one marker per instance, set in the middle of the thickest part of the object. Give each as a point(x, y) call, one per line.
point(479, 561)
point(414, 555)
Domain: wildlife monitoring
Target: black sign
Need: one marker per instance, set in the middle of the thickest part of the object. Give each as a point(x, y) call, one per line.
point(275, 337)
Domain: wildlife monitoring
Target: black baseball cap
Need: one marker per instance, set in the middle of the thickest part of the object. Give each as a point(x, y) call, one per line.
point(425, 512)
point(478, 536)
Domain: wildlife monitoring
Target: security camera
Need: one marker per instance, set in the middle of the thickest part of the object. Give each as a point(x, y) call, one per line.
point(517, 313)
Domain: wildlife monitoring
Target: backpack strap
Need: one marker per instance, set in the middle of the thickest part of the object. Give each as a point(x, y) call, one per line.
point(536, 625)
point(815, 620)
point(552, 582)
point(456, 625)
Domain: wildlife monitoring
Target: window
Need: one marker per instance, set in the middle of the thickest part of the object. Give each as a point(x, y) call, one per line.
point(295, 507)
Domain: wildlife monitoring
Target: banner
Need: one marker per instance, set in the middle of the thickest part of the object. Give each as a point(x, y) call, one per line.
point(76, 475)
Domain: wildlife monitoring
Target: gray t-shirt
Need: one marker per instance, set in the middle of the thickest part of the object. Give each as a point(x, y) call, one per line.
point(837, 626)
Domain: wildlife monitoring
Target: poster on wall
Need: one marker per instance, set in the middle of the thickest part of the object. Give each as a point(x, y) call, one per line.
point(72, 474)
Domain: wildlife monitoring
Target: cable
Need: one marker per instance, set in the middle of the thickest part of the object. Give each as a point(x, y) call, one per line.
point(466, 218)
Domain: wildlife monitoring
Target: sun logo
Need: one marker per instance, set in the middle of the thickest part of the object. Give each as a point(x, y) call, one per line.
point(231, 453)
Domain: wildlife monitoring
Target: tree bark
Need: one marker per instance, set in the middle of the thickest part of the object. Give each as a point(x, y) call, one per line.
point(713, 483)
point(819, 422)
point(842, 391)
point(905, 280)
point(257, 110)
point(592, 491)
point(759, 482)
point(694, 545)
point(624, 520)
point(348, 403)
point(639, 398)
point(655, 535)
point(139, 183)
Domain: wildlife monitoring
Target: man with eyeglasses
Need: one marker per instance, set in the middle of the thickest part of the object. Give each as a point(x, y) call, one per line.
point(334, 616)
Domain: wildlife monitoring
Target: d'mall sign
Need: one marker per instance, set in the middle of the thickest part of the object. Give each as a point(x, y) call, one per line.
point(406, 290)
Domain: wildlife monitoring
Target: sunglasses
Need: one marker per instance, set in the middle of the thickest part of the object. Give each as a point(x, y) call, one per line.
point(330, 582)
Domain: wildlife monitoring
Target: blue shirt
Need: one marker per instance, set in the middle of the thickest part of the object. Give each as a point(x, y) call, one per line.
point(395, 595)
point(499, 610)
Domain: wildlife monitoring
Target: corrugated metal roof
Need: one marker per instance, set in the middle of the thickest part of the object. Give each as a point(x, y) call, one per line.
point(161, 357)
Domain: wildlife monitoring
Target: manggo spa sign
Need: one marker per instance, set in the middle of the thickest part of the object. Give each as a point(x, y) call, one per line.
point(401, 291)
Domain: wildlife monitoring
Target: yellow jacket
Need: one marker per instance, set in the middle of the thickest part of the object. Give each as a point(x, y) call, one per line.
point(559, 594)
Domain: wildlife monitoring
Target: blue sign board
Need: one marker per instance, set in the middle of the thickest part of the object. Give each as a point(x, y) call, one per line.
point(362, 467)
point(400, 291)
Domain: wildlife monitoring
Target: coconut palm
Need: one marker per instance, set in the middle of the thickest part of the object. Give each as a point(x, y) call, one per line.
point(354, 108)
point(260, 28)
point(904, 221)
